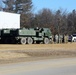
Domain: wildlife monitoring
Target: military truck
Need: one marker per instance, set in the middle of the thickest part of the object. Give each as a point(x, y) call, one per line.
point(26, 35)
point(10, 31)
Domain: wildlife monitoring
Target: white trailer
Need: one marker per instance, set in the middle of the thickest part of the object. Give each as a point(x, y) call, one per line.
point(9, 20)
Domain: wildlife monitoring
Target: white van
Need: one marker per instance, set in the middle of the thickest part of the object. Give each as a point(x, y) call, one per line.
point(74, 38)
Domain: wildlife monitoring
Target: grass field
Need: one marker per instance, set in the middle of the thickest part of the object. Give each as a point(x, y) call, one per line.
point(11, 53)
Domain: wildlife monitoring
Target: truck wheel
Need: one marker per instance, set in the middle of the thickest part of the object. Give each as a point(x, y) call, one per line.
point(29, 40)
point(23, 40)
point(74, 40)
point(46, 41)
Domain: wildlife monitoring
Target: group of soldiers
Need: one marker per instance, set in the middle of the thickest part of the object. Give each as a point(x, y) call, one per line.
point(60, 38)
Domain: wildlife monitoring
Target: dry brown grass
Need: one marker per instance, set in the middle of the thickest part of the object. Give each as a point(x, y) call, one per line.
point(16, 53)
point(69, 46)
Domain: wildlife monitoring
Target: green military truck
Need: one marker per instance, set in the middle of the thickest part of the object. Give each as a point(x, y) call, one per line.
point(26, 35)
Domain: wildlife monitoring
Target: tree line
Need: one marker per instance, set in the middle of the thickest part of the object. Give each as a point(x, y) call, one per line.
point(59, 21)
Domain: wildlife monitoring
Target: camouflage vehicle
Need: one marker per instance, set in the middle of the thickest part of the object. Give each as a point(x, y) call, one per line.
point(26, 35)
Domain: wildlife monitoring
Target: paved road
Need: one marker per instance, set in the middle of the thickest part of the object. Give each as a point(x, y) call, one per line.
point(65, 66)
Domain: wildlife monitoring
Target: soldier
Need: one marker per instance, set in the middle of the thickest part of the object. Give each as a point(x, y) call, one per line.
point(60, 38)
point(66, 38)
point(52, 39)
point(63, 39)
point(56, 38)
point(71, 38)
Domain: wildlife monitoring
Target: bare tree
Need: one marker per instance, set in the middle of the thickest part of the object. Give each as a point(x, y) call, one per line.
point(59, 21)
point(22, 7)
point(71, 22)
point(44, 18)
point(9, 5)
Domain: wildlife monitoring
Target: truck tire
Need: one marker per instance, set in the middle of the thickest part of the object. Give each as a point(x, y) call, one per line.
point(29, 40)
point(23, 41)
point(46, 41)
point(74, 40)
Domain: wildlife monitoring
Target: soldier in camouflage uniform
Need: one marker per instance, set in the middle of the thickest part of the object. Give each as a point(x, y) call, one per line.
point(56, 38)
point(60, 38)
point(66, 38)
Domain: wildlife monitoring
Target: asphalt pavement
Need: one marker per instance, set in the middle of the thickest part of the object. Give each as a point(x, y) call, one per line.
point(62, 66)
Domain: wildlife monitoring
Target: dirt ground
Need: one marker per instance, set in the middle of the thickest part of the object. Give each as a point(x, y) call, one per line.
point(22, 53)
